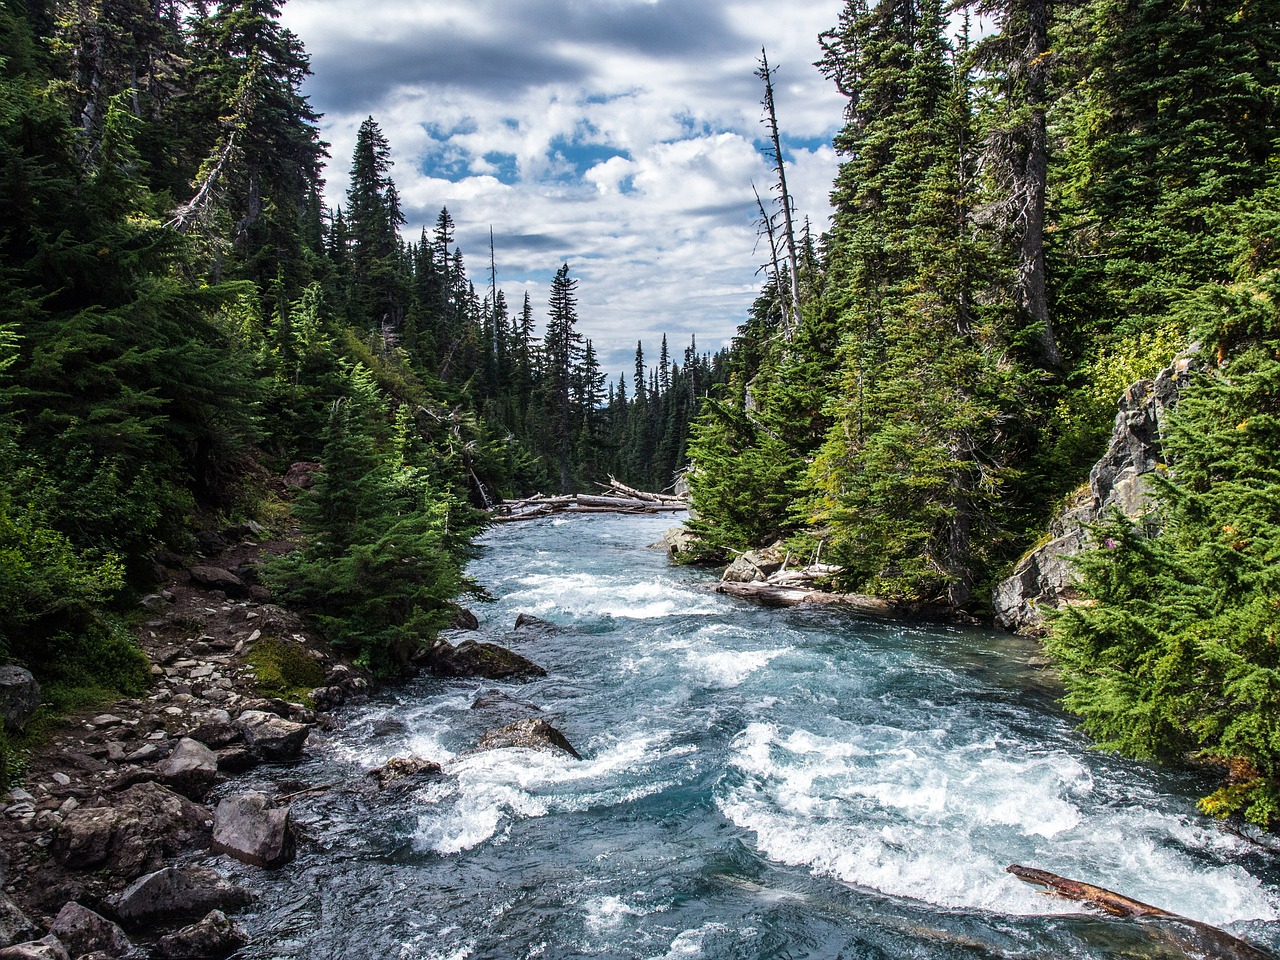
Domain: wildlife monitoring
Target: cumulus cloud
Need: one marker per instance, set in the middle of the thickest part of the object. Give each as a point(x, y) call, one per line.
point(620, 136)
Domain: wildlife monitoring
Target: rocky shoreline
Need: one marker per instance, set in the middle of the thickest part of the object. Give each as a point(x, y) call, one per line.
point(97, 848)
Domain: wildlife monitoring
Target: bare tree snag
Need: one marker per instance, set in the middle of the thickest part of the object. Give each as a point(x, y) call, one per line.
point(789, 233)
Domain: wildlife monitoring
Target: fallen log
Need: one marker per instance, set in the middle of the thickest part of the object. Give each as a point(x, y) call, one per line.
point(782, 595)
point(627, 491)
point(539, 505)
point(1193, 937)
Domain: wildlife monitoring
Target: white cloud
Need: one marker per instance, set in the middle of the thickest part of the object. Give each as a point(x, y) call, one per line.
point(620, 136)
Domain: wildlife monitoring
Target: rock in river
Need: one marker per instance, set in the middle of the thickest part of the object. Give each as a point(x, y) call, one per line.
point(473, 658)
point(251, 828)
point(530, 733)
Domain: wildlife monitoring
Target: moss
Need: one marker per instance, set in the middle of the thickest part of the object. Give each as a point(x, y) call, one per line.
point(285, 669)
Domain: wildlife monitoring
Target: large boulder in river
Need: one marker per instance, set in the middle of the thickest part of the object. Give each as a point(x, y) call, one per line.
point(755, 565)
point(19, 697)
point(251, 828)
point(272, 737)
point(140, 828)
point(176, 893)
point(192, 769)
point(530, 733)
point(83, 931)
point(213, 938)
point(473, 658)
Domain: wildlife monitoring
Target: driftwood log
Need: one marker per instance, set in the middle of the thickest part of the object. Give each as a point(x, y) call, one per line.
point(619, 499)
point(1192, 937)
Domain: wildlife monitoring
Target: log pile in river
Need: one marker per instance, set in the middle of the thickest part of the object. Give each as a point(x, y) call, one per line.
point(617, 498)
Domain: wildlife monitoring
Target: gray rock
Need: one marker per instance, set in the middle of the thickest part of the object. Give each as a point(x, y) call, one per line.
point(530, 733)
point(216, 578)
point(251, 828)
point(216, 730)
point(677, 541)
point(143, 825)
point(15, 926)
point(302, 475)
point(176, 892)
point(213, 938)
point(50, 948)
point(475, 659)
point(83, 931)
point(495, 701)
point(528, 623)
point(271, 737)
point(237, 760)
point(405, 769)
point(192, 769)
point(464, 619)
point(753, 566)
point(19, 697)
point(1119, 481)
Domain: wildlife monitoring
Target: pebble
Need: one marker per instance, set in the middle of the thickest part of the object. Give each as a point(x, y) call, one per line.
point(19, 795)
point(62, 780)
point(174, 711)
point(203, 670)
point(159, 734)
point(105, 720)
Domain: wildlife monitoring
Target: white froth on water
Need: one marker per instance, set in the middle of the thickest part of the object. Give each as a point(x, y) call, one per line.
point(602, 595)
point(487, 791)
point(911, 814)
point(689, 944)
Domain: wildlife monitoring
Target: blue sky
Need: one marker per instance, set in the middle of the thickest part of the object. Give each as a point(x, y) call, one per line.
point(619, 136)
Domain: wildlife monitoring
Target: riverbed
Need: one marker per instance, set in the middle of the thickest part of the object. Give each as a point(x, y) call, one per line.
point(755, 783)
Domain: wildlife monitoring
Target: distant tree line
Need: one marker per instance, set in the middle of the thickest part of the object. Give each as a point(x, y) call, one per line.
point(181, 318)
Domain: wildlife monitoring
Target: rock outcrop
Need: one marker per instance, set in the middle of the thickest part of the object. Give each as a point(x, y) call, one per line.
point(1120, 481)
point(19, 697)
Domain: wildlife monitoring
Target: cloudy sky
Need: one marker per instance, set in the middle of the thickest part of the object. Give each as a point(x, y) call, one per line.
point(619, 136)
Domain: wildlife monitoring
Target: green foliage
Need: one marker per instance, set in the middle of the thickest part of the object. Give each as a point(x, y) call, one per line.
point(384, 544)
point(1176, 649)
point(284, 669)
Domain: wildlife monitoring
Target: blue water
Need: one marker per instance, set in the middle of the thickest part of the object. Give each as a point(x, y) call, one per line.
point(755, 784)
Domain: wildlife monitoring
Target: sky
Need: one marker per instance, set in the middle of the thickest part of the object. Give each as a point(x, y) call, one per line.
point(622, 137)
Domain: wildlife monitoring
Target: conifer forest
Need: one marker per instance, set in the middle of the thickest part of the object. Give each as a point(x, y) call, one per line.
point(1028, 218)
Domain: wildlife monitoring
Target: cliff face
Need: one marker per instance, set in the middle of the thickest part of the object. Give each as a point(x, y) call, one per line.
point(1119, 481)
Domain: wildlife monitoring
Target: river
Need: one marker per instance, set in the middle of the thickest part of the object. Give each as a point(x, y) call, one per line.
point(755, 784)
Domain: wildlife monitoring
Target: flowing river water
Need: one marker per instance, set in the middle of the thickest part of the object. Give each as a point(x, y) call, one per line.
point(755, 784)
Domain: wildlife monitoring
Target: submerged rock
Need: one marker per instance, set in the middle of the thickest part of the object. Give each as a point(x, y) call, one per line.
point(251, 828)
point(528, 623)
point(213, 938)
point(472, 658)
point(403, 769)
point(530, 733)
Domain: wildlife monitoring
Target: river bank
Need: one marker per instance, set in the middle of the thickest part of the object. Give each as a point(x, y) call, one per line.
point(122, 791)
